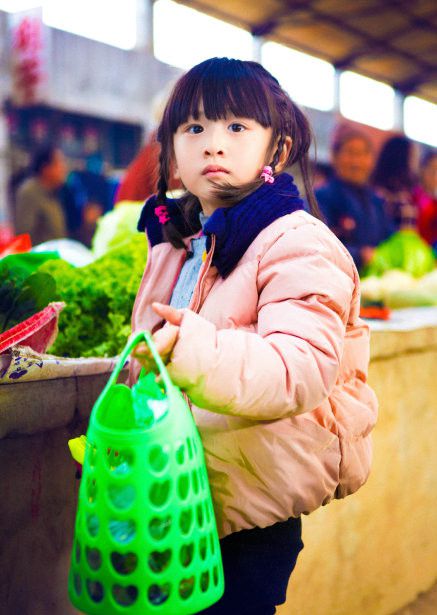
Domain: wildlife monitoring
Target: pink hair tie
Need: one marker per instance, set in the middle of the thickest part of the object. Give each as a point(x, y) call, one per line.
point(162, 213)
point(267, 175)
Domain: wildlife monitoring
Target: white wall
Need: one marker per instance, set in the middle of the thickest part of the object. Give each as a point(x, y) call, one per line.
point(4, 89)
point(99, 79)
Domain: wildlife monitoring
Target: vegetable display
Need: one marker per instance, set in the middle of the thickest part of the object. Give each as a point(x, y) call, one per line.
point(23, 290)
point(399, 289)
point(116, 227)
point(404, 250)
point(99, 300)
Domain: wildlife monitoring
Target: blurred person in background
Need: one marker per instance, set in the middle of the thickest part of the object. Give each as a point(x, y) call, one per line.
point(425, 198)
point(38, 209)
point(349, 205)
point(141, 177)
point(395, 177)
point(92, 194)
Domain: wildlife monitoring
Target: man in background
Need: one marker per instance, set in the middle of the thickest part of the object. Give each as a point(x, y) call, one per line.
point(38, 209)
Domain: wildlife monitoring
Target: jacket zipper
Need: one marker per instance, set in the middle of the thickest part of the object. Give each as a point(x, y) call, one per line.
point(194, 306)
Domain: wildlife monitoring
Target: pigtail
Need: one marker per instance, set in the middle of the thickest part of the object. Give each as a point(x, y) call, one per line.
point(170, 230)
point(162, 186)
point(304, 137)
point(278, 152)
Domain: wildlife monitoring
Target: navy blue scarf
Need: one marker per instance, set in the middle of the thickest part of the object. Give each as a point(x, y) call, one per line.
point(234, 227)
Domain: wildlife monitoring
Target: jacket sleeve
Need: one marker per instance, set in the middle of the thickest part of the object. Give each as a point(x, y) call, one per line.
point(290, 365)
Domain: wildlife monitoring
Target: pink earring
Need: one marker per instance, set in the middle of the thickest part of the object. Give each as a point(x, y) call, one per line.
point(267, 175)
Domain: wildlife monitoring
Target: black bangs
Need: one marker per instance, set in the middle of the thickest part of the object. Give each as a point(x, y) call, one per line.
point(222, 86)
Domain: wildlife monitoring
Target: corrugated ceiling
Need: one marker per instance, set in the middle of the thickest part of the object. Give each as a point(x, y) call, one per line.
point(394, 41)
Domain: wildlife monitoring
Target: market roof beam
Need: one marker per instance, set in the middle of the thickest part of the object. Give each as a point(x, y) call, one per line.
point(371, 42)
point(414, 63)
point(410, 85)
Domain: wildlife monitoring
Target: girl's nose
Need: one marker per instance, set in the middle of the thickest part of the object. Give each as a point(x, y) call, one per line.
point(214, 145)
point(211, 151)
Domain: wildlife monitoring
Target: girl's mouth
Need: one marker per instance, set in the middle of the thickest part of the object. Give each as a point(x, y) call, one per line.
point(214, 170)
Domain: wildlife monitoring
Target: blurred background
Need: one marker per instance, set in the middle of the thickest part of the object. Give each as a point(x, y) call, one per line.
point(90, 78)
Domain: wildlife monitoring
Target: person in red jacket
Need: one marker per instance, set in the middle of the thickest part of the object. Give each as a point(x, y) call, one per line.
point(141, 178)
point(425, 196)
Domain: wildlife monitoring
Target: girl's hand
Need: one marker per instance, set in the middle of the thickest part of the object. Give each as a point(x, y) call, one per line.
point(165, 339)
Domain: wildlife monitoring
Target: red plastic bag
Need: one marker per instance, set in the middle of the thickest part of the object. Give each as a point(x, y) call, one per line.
point(39, 331)
point(19, 244)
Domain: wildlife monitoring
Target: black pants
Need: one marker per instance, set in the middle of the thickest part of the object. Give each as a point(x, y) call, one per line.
point(257, 565)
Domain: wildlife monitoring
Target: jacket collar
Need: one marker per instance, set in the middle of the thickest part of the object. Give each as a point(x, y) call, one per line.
point(234, 227)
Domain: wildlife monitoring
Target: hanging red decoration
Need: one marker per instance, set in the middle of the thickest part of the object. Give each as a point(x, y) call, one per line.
point(27, 66)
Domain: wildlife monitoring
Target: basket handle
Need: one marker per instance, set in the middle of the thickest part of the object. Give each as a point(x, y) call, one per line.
point(140, 337)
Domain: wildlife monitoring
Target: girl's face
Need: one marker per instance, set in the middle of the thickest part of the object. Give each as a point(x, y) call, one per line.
point(232, 150)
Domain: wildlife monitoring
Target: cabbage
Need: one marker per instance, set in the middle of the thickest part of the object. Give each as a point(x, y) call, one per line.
point(116, 227)
point(395, 280)
point(413, 297)
point(404, 250)
point(429, 283)
point(371, 289)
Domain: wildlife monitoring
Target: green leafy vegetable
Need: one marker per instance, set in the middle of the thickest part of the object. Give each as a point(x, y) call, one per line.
point(99, 300)
point(21, 294)
point(404, 250)
point(116, 227)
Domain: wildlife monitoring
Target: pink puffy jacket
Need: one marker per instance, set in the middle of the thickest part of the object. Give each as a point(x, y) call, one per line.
point(274, 361)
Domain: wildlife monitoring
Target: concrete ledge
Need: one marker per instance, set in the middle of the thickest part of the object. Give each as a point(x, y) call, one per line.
point(41, 405)
point(375, 551)
point(385, 344)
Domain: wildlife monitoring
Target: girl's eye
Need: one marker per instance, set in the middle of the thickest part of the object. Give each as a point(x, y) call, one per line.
point(195, 129)
point(235, 127)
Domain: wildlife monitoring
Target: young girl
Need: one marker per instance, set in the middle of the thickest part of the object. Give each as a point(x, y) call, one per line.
point(254, 306)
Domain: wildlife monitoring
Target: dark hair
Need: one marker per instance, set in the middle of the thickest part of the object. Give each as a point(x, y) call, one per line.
point(344, 134)
point(245, 89)
point(393, 167)
point(42, 158)
point(323, 168)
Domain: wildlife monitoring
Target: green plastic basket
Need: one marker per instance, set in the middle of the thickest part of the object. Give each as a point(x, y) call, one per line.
point(145, 537)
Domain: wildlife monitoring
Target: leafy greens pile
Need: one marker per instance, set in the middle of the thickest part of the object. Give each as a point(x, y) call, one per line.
point(99, 300)
point(23, 292)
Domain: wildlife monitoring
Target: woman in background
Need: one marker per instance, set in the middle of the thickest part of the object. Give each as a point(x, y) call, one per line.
point(394, 178)
point(349, 205)
point(425, 197)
